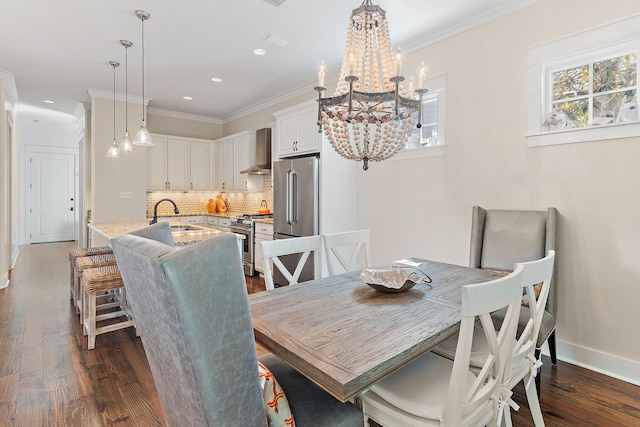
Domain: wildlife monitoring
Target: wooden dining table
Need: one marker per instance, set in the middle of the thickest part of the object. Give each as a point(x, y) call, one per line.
point(344, 336)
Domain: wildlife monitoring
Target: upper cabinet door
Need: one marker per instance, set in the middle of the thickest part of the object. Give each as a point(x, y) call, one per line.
point(297, 131)
point(241, 161)
point(178, 164)
point(157, 165)
point(199, 165)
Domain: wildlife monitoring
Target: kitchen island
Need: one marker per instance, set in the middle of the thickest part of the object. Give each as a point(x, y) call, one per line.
point(183, 234)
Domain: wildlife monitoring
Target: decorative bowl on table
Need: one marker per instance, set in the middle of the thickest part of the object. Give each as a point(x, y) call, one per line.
point(393, 279)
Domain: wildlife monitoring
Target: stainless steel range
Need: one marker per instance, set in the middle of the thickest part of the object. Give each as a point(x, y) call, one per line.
point(245, 226)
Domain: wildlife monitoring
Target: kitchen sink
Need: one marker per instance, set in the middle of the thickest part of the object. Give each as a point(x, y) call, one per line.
point(184, 228)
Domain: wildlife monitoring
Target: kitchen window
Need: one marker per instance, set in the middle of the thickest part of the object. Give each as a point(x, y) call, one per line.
point(585, 87)
point(429, 140)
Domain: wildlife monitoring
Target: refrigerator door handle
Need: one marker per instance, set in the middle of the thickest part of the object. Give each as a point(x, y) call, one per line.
point(293, 197)
point(287, 218)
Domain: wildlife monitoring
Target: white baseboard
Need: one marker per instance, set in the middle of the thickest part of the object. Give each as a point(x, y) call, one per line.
point(4, 281)
point(598, 361)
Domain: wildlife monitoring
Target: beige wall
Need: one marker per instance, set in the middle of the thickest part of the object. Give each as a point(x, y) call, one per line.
point(423, 207)
point(109, 177)
point(167, 125)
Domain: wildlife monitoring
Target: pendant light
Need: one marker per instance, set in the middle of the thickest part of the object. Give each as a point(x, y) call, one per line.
point(114, 152)
point(143, 137)
point(125, 145)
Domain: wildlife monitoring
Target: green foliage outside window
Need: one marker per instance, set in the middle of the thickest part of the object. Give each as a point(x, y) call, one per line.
point(597, 93)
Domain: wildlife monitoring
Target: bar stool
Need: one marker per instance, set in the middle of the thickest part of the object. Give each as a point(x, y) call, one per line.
point(74, 254)
point(95, 282)
point(86, 263)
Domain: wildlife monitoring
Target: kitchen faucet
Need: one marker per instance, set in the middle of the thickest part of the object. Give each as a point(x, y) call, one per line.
point(155, 210)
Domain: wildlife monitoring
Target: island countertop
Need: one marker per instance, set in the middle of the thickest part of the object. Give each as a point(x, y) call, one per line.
point(180, 238)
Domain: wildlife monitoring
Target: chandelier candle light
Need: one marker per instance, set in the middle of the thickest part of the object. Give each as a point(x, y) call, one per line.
point(143, 137)
point(125, 145)
point(114, 152)
point(370, 116)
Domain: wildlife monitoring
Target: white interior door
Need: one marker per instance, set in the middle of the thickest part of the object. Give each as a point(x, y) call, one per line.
point(50, 197)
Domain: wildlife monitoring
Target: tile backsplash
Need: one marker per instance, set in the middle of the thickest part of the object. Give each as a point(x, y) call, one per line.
point(195, 202)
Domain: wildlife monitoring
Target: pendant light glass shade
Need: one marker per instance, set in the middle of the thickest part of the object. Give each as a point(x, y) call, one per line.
point(114, 151)
point(126, 146)
point(143, 137)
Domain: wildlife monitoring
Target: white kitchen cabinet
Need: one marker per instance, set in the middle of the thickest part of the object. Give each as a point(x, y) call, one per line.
point(199, 165)
point(168, 164)
point(263, 233)
point(211, 222)
point(197, 220)
point(224, 165)
point(297, 130)
point(177, 163)
point(233, 154)
point(224, 224)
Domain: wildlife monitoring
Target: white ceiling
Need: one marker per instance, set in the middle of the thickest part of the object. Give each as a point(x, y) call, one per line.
point(57, 49)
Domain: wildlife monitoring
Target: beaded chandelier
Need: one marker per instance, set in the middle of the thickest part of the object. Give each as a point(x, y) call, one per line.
point(370, 115)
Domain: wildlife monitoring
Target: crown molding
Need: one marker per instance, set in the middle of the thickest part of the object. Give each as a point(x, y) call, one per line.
point(301, 90)
point(463, 24)
point(99, 93)
point(10, 82)
point(184, 116)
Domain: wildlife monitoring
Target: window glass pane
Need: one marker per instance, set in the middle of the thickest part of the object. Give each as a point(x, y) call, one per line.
point(427, 134)
point(616, 73)
point(577, 112)
point(608, 108)
point(571, 82)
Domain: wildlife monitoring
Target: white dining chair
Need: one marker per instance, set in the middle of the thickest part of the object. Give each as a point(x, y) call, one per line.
point(524, 363)
point(346, 251)
point(435, 391)
point(274, 249)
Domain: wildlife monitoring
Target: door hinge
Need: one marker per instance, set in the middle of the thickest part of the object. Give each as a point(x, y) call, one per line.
point(30, 210)
point(30, 185)
point(30, 160)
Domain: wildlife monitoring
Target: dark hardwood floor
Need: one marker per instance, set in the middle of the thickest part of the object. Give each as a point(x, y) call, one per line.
point(49, 378)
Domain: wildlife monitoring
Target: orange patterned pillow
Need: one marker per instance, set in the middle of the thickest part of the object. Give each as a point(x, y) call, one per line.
point(536, 290)
point(275, 402)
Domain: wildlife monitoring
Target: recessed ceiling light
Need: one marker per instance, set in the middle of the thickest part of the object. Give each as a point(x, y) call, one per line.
point(188, 98)
point(259, 51)
point(48, 101)
point(216, 79)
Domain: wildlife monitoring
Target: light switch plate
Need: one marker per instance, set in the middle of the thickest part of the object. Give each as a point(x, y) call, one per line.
point(125, 194)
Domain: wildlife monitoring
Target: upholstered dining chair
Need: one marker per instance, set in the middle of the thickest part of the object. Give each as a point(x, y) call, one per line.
point(197, 334)
point(436, 391)
point(272, 250)
point(502, 238)
point(346, 251)
point(536, 282)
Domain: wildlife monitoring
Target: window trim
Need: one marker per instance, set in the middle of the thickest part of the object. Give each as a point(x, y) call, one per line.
point(437, 86)
point(618, 35)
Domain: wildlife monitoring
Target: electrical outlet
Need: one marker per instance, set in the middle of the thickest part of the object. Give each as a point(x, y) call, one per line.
point(125, 194)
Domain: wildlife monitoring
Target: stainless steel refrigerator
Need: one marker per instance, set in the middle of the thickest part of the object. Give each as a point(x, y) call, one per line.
point(295, 211)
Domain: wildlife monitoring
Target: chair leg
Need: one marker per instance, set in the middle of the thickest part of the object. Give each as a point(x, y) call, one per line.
point(534, 403)
point(552, 347)
point(539, 373)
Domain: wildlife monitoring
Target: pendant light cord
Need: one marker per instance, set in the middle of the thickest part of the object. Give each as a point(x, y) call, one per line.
point(114, 102)
point(143, 115)
point(126, 89)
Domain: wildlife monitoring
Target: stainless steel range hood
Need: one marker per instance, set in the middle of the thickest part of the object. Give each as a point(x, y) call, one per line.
point(263, 153)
